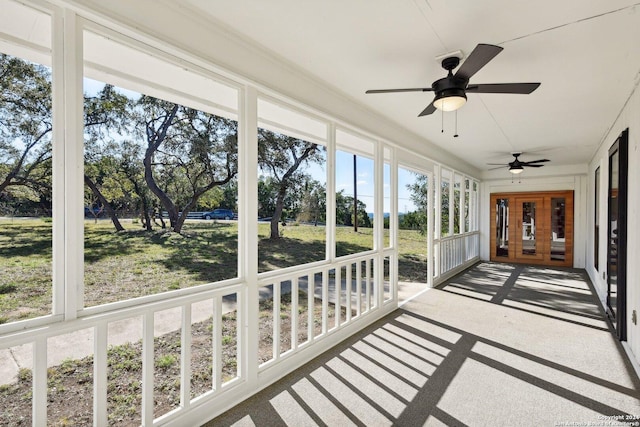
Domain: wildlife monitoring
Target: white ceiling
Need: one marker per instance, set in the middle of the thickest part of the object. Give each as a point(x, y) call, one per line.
point(585, 54)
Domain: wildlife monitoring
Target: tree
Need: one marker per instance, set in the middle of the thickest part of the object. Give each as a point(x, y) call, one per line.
point(419, 196)
point(344, 211)
point(188, 152)
point(106, 117)
point(25, 126)
point(313, 206)
point(280, 157)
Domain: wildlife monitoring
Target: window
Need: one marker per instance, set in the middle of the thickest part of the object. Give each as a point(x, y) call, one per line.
point(413, 197)
point(387, 198)
point(445, 197)
point(292, 182)
point(457, 201)
point(355, 191)
point(467, 206)
point(160, 159)
point(26, 167)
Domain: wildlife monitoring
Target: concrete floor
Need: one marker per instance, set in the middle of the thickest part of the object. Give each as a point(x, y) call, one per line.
point(498, 345)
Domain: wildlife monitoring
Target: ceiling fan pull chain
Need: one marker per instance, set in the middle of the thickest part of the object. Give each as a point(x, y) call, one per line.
point(455, 135)
point(442, 121)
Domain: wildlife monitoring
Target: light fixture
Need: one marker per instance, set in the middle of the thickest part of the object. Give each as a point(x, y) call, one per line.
point(516, 169)
point(450, 99)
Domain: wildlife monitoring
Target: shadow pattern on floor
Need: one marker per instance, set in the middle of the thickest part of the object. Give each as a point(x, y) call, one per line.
point(498, 344)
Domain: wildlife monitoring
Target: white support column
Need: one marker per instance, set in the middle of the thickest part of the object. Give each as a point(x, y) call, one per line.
point(437, 186)
point(330, 228)
point(248, 233)
point(73, 167)
point(378, 197)
point(430, 229)
point(461, 204)
point(378, 223)
point(58, 172)
point(452, 210)
point(394, 224)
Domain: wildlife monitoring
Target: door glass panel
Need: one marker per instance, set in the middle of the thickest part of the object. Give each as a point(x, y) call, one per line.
point(613, 233)
point(558, 248)
point(596, 221)
point(528, 228)
point(502, 227)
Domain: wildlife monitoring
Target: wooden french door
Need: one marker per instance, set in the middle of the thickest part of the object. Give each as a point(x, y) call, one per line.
point(532, 228)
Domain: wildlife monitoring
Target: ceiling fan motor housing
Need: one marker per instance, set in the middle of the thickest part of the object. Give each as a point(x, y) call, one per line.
point(450, 85)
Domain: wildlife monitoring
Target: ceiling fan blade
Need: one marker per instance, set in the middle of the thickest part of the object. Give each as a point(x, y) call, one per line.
point(521, 88)
point(478, 58)
point(498, 164)
point(429, 110)
point(499, 167)
point(417, 89)
point(536, 161)
point(532, 166)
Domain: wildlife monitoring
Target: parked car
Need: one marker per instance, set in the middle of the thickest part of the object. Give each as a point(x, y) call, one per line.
point(93, 212)
point(219, 214)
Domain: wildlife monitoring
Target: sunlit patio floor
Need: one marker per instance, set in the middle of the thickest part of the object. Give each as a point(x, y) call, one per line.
point(498, 345)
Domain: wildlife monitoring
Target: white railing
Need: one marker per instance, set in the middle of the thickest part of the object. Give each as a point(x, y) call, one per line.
point(302, 307)
point(307, 305)
point(131, 337)
point(455, 251)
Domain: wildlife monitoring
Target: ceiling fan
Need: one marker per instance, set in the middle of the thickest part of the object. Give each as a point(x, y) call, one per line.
point(451, 91)
point(518, 166)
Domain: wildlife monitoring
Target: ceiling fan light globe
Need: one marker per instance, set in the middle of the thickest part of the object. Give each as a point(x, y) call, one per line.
point(516, 169)
point(450, 100)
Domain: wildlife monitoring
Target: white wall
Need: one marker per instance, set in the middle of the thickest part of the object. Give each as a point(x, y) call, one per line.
point(628, 118)
point(549, 178)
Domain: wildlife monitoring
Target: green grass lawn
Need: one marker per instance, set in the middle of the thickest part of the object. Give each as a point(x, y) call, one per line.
point(135, 262)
